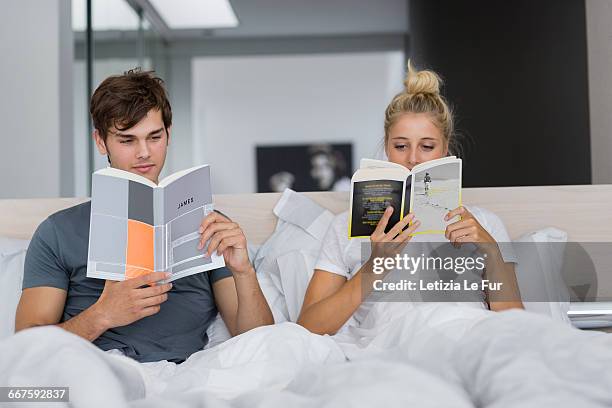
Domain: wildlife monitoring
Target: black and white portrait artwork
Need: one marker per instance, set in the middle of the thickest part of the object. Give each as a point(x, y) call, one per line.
point(315, 167)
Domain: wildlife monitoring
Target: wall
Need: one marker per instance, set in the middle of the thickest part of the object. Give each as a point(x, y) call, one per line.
point(36, 104)
point(516, 72)
point(599, 36)
point(240, 102)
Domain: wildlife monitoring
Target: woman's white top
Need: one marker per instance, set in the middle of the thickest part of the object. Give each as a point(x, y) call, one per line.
point(343, 256)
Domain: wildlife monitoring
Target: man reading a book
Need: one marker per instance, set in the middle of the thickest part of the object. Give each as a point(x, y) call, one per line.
point(140, 317)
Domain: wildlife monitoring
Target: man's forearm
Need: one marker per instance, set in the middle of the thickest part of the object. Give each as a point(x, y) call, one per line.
point(88, 324)
point(253, 310)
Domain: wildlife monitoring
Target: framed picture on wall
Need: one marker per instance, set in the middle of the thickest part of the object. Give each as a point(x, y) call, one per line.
point(314, 167)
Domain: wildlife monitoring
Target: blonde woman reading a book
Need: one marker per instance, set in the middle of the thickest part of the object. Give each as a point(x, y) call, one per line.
point(418, 128)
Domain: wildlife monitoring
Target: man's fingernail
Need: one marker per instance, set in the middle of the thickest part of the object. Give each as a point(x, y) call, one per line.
point(168, 274)
point(201, 230)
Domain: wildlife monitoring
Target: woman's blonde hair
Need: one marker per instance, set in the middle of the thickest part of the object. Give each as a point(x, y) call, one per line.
point(421, 94)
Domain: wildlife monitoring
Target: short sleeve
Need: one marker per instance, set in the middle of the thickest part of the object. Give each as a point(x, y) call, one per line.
point(43, 265)
point(219, 273)
point(494, 226)
point(330, 257)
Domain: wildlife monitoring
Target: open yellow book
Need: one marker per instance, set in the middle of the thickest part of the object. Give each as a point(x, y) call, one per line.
point(429, 190)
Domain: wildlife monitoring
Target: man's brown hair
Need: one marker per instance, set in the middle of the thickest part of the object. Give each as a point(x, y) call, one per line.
point(121, 101)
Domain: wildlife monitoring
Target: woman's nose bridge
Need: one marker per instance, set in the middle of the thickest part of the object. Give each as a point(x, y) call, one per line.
point(412, 155)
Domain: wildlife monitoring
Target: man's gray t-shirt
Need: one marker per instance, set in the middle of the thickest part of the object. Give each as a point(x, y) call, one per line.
point(57, 257)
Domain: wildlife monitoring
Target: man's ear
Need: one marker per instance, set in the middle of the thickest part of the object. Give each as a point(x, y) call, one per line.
point(168, 129)
point(99, 142)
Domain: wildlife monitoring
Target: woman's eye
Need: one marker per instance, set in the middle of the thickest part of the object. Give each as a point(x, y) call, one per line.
point(400, 147)
point(428, 147)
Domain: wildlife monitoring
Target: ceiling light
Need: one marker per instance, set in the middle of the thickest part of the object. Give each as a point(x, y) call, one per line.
point(106, 15)
point(182, 14)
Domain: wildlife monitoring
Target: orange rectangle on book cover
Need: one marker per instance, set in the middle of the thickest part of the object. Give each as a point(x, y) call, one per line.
point(140, 249)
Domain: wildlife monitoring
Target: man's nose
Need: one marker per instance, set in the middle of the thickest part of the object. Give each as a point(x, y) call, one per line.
point(143, 150)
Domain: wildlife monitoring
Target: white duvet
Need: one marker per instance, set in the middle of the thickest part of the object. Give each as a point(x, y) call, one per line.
point(434, 355)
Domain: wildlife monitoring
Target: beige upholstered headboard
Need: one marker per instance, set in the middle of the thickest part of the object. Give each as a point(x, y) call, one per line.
point(584, 212)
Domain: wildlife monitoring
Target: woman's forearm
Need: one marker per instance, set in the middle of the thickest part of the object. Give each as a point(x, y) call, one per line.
point(508, 296)
point(328, 315)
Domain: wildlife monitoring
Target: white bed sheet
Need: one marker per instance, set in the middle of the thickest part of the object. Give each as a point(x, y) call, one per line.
point(429, 355)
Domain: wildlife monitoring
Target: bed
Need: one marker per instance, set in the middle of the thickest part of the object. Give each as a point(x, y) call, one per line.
point(434, 357)
point(582, 211)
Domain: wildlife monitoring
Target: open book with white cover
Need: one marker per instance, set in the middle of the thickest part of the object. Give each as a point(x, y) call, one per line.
point(138, 227)
point(430, 190)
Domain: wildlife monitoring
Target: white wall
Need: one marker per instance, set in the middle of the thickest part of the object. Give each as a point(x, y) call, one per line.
point(240, 102)
point(599, 40)
point(35, 108)
point(178, 84)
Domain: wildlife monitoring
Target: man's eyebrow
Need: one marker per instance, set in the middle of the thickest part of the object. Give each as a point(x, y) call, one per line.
point(126, 135)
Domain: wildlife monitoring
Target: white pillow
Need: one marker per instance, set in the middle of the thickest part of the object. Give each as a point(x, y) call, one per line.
point(218, 332)
point(539, 273)
point(12, 257)
point(295, 270)
point(285, 262)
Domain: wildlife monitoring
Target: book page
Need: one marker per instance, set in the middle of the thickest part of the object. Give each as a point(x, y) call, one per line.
point(433, 163)
point(122, 229)
point(374, 164)
point(369, 199)
point(110, 171)
point(186, 201)
point(175, 176)
point(435, 192)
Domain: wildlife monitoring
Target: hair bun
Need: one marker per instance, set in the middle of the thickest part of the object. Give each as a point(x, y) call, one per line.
point(422, 82)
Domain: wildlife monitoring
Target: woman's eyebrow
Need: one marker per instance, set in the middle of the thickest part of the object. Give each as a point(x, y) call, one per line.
point(405, 138)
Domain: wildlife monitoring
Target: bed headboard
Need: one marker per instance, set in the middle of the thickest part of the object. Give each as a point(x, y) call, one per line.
point(582, 211)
